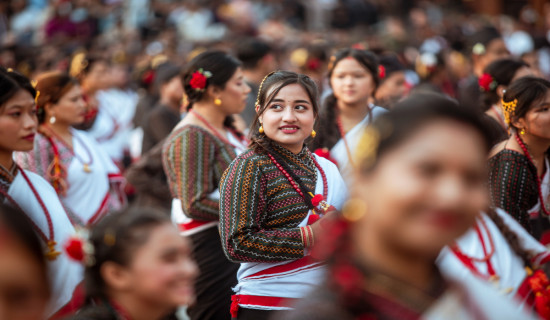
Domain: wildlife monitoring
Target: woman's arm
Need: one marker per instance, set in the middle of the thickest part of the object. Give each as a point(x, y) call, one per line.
point(242, 208)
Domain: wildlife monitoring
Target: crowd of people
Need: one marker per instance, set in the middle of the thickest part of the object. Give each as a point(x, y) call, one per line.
point(273, 160)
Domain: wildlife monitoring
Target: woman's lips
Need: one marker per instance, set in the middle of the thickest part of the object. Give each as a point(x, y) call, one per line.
point(444, 220)
point(289, 129)
point(30, 137)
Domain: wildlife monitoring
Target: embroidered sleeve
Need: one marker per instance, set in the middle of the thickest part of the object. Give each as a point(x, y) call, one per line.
point(189, 161)
point(510, 182)
point(242, 206)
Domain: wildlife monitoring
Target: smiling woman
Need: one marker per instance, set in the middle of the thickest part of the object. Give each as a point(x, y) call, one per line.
point(272, 197)
point(30, 193)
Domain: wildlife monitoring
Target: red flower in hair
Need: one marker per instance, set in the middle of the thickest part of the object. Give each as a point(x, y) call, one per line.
point(381, 72)
point(198, 79)
point(313, 64)
point(487, 83)
point(148, 77)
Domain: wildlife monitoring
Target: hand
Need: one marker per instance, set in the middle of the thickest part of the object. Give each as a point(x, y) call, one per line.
point(318, 226)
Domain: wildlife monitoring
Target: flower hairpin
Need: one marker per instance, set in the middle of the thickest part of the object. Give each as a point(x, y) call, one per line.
point(79, 248)
point(381, 72)
point(487, 83)
point(199, 79)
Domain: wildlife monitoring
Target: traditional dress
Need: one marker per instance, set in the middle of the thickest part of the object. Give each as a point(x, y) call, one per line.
point(38, 200)
point(113, 125)
point(260, 219)
point(194, 161)
point(502, 265)
point(94, 184)
point(513, 187)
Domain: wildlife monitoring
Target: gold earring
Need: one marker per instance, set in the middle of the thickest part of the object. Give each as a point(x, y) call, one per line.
point(313, 134)
point(354, 209)
point(261, 129)
point(218, 101)
point(522, 131)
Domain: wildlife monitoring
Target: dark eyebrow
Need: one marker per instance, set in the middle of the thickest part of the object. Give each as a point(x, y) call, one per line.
point(296, 101)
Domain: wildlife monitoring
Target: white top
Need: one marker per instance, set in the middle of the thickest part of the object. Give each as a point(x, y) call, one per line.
point(295, 282)
point(64, 273)
point(113, 125)
point(339, 151)
point(87, 191)
point(507, 265)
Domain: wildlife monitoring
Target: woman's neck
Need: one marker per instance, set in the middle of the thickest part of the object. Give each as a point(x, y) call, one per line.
point(211, 114)
point(410, 268)
point(6, 159)
point(352, 114)
point(60, 129)
point(137, 309)
point(537, 148)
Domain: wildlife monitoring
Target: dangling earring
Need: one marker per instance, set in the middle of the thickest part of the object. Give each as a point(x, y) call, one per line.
point(522, 131)
point(218, 101)
point(261, 129)
point(52, 119)
point(313, 134)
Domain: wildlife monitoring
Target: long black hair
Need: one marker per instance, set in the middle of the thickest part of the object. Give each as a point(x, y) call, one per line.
point(327, 128)
point(502, 72)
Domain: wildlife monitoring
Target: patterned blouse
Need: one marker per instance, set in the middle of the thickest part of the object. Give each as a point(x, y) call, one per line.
point(194, 161)
point(260, 211)
point(513, 184)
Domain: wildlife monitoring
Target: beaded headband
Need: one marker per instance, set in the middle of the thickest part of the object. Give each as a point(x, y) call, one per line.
point(509, 109)
point(257, 104)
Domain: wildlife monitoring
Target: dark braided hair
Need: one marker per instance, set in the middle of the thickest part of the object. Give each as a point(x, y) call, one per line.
point(328, 133)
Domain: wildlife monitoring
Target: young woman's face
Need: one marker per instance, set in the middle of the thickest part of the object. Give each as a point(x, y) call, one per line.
point(426, 192)
point(23, 286)
point(289, 118)
point(173, 90)
point(537, 120)
point(162, 270)
point(18, 123)
point(393, 88)
point(235, 94)
point(70, 109)
point(351, 82)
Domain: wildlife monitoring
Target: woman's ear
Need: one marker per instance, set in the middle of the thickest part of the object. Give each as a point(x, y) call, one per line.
point(500, 91)
point(115, 276)
point(213, 91)
point(519, 123)
point(48, 108)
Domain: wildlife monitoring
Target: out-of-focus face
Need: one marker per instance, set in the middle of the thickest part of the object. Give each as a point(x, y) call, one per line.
point(537, 120)
point(162, 270)
point(18, 123)
point(289, 118)
point(70, 109)
point(522, 72)
point(96, 77)
point(173, 90)
point(425, 192)
point(351, 82)
point(393, 88)
point(23, 285)
point(235, 93)
point(495, 50)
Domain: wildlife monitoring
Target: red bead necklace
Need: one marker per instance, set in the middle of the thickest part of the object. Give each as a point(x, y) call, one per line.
point(539, 182)
point(85, 165)
point(51, 254)
point(216, 132)
point(294, 184)
point(469, 261)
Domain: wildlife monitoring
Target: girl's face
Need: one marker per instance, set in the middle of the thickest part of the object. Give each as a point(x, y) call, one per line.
point(289, 118)
point(162, 271)
point(173, 90)
point(393, 88)
point(351, 82)
point(70, 109)
point(235, 94)
point(18, 123)
point(426, 192)
point(537, 120)
point(23, 286)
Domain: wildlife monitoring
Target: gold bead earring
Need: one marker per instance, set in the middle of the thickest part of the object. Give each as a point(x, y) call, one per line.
point(218, 101)
point(313, 133)
point(522, 131)
point(261, 129)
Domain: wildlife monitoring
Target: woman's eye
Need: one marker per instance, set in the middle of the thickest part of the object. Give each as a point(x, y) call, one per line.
point(428, 170)
point(15, 114)
point(300, 107)
point(275, 107)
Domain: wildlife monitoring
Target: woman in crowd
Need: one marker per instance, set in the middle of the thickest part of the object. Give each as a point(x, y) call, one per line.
point(272, 196)
point(353, 76)
point(30, 193)
point(519, 180)
point(24, 285)
point(420, 185)
point(195, 156)
point(87, 181)
point(139, 267)
point(496, 77)
point(393, 84)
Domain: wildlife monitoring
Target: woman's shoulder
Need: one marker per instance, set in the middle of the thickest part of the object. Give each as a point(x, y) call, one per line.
point(250, 157)
point(507, 156)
